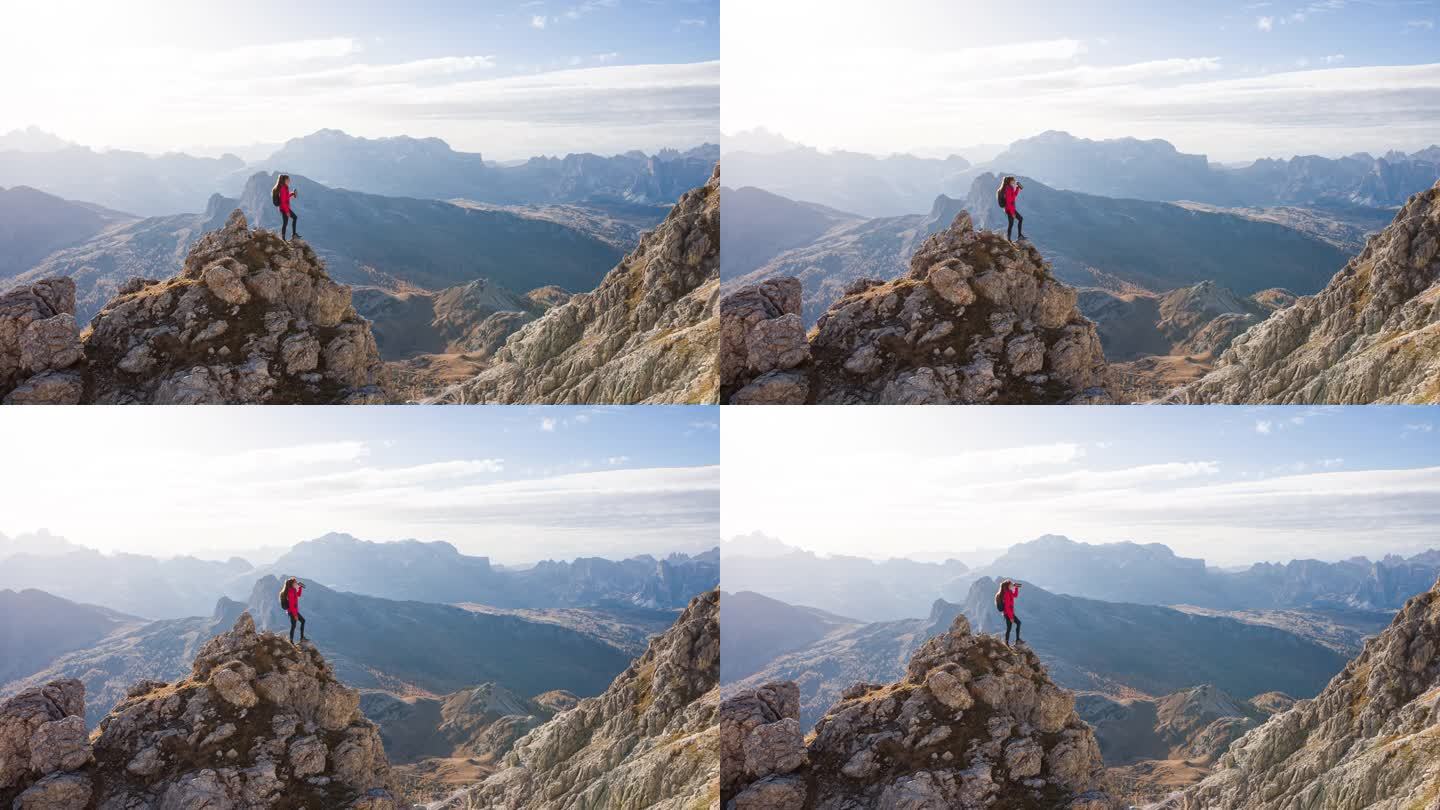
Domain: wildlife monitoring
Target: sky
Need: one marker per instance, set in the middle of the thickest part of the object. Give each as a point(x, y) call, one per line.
point(1232, 485)
point(1234, 79)
point(507, 78)
point(518, 484)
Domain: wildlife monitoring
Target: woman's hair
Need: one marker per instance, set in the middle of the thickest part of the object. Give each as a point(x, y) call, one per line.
point(1007, 180)
point(282, 180)
point(1004, 583)
point(289, 583)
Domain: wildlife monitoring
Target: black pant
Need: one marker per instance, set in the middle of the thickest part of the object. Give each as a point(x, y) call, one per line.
point(1008, 621)
point(1015, 217)
point(296, 615)
point(291, 220)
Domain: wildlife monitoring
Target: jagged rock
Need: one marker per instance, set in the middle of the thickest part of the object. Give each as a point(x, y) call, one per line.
point(215, 739)
point(1370, 739)
point(249, 319)
point(976, 320)
point(1371, 336)
point(28, 735)
point(973, 724)
point(650, 741)
point(38, 338)
point(647, 334)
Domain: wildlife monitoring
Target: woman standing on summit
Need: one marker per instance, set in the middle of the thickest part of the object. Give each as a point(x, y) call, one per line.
point(1005, 195)
point(281, 195)
point(1005, 601)
point(290, 600)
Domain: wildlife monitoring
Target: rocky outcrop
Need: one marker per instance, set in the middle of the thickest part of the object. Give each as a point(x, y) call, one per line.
point(647, 334)
point(257, 723)
point(1369, 740)
point(974, 723)
point(249, 319)
point(40, 345)
point(650, 741)
point(976, 320)
point(1372, 335)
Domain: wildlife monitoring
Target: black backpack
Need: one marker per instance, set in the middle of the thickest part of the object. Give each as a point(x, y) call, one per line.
point(275, 196)
point(999, 197)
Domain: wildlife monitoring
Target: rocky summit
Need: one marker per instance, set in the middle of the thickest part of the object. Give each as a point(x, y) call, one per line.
point(249, 319)
point(1369, 740)
point(647, 334)
point(976, 320)
point(258, 723)
point(973, 724)
point(1372, 335)
point(649, 741)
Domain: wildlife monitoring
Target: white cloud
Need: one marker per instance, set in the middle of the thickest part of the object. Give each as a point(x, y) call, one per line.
point(1333, 59)
point(1417, 427)
point(615, 461)
point(1263, 426)
point(1265, 23)
point(1420, 25)
point(548, 424)
point(538, 21)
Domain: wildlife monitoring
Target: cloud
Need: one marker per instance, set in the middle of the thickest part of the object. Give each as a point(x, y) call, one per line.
point(548, 424)
point(1265, 23)
point(1333, 59)
point(538, 21)
point(1420, 25)
point(615, 461)
point(1417, 427)
point(1263, 426)
point(693, 23)
point(280, 458)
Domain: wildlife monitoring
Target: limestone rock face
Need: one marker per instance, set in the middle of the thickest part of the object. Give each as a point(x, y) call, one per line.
point(40, 344)
point(649, 741)
point(249, 319)
point(1369, 740)
point(1372, 335)
point(976, 320)
point(257, 723)
point(973, 724)
point(647, 334)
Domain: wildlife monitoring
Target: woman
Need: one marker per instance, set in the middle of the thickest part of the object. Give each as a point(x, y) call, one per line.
point(281, 195)
point(290, 598)
point(1008, 191)
point(1009, 591)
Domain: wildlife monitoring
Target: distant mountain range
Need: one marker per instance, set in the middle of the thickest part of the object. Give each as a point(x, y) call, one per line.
point(427, 168)
point(871, 590)
point(1142, 573)
point(1156, 170)
point(434, 572)
point(868, 185)
point(1153, 574)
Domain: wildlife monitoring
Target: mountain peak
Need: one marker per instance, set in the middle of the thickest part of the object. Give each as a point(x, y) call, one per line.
point(978, 319)
point(256, 721)
point(972, 723)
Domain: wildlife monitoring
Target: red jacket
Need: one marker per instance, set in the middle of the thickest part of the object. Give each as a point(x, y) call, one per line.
point(285, 199)
point(1009, 597)
point(1010, 194)
point(294, 594)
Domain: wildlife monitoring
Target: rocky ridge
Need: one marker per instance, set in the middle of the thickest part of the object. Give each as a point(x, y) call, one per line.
point(249, 319)
point(977, 319)
point(645, 335)
point(1369, 740)
point(1371, 336)
point(974, 723)
point(257, 723)
point(650, 741)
